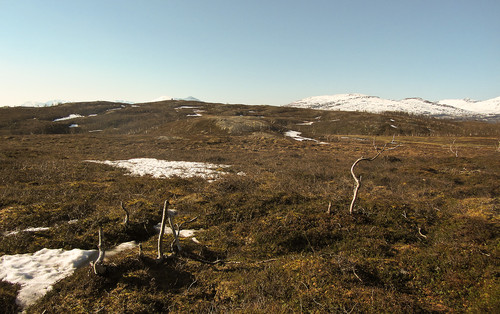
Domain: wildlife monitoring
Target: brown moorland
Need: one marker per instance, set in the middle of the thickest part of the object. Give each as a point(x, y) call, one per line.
point(424, 235)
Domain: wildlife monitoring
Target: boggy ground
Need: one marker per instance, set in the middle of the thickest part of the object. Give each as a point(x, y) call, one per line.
point(423, 237)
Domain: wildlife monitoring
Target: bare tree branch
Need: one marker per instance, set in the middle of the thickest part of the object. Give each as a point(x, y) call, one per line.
point(162, 230)
point(451, 148)
point(127, 214)
point(357, 179)
point(175, 231)
point(99, 268)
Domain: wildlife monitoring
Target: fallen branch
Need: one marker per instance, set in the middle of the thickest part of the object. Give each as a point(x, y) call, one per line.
point(420, 233)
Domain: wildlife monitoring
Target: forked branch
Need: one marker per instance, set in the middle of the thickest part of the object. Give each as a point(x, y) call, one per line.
point(127, 215)
point(388, 146)
point(175, 231)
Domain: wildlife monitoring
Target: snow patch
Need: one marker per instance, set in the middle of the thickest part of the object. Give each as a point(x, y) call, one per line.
point(306, 123)
point(71, 116)
point(186, 107)
point(37, 272)
point(166, 169)
point(185, 233)
point(296, 136)
point(6, 234)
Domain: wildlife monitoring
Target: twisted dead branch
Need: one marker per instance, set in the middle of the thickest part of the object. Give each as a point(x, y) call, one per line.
point(127, 215)
point(99, 268)
point(357, 179)
point(175, 232)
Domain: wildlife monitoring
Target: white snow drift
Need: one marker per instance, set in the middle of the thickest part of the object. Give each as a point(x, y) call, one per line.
point(37, 272)
point(70, 117)
point(166, 169)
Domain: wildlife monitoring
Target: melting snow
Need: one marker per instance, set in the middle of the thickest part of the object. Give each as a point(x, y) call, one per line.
point(6, 234)
point(296, 136)
point(71, 116)
point(306, 123)
point(393, 126)
point(37, 272)
point(74, 125)
point(186, 107)
point(166, 169)
point(185, 233)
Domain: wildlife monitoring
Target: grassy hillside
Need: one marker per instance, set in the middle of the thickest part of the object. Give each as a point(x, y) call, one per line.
point(423, 236)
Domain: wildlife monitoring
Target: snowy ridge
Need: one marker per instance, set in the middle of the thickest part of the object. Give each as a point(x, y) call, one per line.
point(49, 103)
point(419, 106)
point(490, 106)
point(162, 98)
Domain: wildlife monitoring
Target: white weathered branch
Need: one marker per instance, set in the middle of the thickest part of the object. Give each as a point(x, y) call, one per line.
point(420, 233)
point(162, 230)
point(357, 179)
point(451, 148)
point(99, 268)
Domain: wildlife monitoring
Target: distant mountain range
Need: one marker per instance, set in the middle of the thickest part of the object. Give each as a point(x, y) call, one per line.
point(162, 98)
point(56, 102)
point(448, 108)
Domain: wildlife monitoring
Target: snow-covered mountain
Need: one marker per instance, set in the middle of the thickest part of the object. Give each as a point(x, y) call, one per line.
point(49, 103)
point(360, 102)
point(490, 106)
point(162, 98)
point(56, 102)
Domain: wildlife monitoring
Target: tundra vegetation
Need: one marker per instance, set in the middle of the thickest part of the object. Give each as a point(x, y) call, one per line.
point(423, 235)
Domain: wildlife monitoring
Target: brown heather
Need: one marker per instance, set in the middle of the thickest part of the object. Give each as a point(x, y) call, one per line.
point(424, 235)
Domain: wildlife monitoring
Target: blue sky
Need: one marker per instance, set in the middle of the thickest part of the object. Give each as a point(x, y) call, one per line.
point(252, 52)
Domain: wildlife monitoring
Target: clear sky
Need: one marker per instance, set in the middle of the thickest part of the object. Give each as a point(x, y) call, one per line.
point(252, 52)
